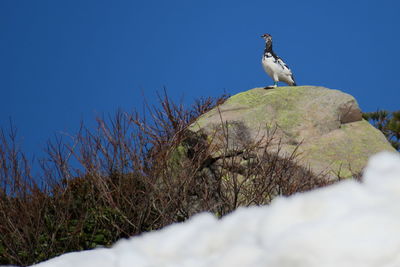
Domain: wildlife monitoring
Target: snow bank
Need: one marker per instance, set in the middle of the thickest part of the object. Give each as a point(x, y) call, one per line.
point(347, 224)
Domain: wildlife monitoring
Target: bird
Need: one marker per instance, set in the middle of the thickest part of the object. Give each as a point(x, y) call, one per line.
point(274, 65)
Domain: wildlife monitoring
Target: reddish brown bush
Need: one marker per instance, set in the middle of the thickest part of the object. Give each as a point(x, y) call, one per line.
point(130, 175)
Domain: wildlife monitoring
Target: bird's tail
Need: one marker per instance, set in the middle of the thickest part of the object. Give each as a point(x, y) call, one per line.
point(294, 82)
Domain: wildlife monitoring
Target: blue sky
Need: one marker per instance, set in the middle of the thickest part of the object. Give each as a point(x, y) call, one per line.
point(66, 61)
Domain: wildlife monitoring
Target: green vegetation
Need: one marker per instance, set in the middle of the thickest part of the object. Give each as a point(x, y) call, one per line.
point(388, 122)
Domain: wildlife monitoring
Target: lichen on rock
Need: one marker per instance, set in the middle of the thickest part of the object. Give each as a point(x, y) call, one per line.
point(324, 125)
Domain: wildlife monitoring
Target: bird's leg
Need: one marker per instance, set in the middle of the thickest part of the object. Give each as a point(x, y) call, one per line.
point(272, 86)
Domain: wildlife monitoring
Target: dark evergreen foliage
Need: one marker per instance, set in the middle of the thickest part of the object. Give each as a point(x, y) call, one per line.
point(388, 122)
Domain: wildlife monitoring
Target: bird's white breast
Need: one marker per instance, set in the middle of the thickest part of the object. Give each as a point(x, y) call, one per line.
point(270, 66)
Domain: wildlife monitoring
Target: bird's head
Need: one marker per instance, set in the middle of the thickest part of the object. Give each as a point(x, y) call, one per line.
point(267, 37)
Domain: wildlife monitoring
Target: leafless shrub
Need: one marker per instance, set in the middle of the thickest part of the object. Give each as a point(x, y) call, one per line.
point(133, 173)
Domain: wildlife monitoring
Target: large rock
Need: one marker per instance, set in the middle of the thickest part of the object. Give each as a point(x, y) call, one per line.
point(323, 126)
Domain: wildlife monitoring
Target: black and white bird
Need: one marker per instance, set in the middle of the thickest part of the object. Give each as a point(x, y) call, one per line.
point(274, 65)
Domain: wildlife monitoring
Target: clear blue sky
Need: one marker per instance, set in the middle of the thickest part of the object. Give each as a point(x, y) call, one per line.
point(64, 61)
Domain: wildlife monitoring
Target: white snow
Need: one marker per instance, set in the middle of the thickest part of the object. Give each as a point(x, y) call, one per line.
point(346, 224)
